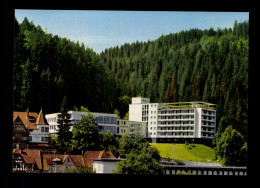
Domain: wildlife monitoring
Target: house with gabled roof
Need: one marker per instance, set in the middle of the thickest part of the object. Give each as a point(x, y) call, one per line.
point(57, 163)
point(30, 127)
point(90, 155)
point(26, 160)
point(20, 133)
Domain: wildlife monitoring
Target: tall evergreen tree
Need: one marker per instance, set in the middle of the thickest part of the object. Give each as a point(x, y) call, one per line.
point(64, 125)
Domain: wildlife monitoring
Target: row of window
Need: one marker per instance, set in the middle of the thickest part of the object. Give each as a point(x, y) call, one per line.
point(144, 112)
point(176, 134)
point(112, 129)
point(175, 122)
point(44, 129)
point(208, 129)
point(207, 118)
point(52, 127)
point(208, 123)
point(43, 139)
point(208, 135)
point(176, 111)
point(153, 105)
point(176, 128)
point(208, 112)
point(121, 122)
point(106, 119)
point(177, 117)
point(54, 119)
point(145, 107)
point(122, 131)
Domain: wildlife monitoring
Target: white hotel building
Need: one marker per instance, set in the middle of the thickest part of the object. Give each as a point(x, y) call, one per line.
point(173, 122)
point(106, 122)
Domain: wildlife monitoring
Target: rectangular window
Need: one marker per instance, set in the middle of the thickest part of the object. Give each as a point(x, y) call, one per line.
point(45, 139)
point(46, 129)
point(42, 129)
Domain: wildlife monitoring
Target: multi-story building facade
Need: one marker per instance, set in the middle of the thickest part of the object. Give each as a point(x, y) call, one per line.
point(106, 122)
point(173, 122)
point(133, 128)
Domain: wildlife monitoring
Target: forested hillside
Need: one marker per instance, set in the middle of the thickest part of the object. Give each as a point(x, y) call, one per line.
point(48, 67)
point(195, 65)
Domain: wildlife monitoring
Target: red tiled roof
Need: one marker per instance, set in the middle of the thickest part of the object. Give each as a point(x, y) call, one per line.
point(90, 155)
point(78, 160)
point(29, 122)
point(31, 119)
point(47, 159)
point(28, 159)
point(30, 156)
point(41, 146)
point(41, 119)
point(106, 154)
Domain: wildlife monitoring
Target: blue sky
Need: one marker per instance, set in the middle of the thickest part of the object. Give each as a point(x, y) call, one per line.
point(102, 29)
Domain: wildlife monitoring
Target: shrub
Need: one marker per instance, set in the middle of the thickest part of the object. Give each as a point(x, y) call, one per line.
point(179, 162)
point(185, 173)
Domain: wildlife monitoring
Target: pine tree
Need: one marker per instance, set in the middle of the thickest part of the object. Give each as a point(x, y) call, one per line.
point(64, 124)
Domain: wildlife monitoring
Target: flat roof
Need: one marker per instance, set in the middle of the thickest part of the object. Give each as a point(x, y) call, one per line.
point(193, 104)
point(72, 111)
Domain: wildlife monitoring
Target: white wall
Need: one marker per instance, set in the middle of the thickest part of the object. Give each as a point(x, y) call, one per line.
point(104, 166)
point(38, 134)
point(76, 116)
point(135, 112)
point(140, 100)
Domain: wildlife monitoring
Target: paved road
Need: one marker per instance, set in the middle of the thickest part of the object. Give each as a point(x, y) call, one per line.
point(190, 163)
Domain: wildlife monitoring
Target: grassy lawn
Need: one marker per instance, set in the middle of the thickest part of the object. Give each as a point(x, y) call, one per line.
point(198, 153)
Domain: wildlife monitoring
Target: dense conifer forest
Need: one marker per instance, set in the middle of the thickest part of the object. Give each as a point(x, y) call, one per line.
point(195, 65)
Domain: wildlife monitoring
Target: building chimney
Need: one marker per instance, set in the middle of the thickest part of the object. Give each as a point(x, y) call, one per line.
point(27, 113)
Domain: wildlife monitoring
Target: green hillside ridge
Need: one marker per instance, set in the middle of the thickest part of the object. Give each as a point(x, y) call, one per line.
point(196, 153)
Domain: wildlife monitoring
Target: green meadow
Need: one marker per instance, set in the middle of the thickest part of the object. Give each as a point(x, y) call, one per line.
point(192, 152)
